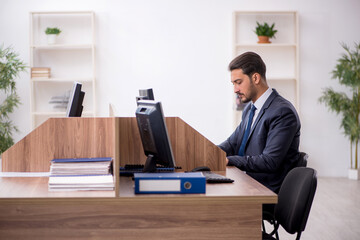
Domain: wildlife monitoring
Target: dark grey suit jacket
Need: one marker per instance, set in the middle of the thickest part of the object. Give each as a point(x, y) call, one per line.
point(272, 149)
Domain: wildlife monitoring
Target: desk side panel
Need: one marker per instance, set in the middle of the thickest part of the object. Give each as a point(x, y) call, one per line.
point(130, 219)
point(131, 149)
point(32, 152)
point(190, 148)
point(193, 149)
point(60, 138)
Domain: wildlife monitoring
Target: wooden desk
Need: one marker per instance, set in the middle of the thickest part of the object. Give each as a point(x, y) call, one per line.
point(29, 211)
point(226, 211)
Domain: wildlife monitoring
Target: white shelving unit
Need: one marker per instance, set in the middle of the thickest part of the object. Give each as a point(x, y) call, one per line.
point(71, 58)
point(281, 56)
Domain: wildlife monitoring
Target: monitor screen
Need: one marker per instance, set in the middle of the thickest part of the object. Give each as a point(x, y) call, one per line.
point(75, 107)
point(154, 135)
point(145, 94)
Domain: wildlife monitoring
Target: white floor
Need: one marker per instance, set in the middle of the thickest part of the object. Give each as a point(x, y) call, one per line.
point(335, 213)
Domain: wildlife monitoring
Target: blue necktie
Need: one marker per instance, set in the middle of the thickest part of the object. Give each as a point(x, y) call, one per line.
point(247, 131)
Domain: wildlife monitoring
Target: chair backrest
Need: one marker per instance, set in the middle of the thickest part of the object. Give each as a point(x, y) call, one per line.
point(295, 199)
point(302, 162)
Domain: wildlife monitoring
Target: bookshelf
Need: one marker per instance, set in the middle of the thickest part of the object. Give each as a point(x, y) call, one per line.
point(71, 58)
point(281, 56)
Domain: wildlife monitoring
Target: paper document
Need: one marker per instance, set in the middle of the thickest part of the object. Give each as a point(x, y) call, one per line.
point(82, 182)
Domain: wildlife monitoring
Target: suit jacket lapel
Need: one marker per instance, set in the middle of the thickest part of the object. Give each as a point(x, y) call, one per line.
point(263, 110)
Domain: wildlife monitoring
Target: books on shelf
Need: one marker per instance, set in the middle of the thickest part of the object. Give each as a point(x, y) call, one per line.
point(60, 101)
point(72, 174)
point(40, 72)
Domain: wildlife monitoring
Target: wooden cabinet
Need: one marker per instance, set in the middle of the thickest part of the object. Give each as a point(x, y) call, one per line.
point(281, 56)
point(71, 58)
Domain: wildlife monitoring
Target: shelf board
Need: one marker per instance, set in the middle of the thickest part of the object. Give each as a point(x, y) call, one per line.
point(281, 79)
point(265, 12)
point(82, 80)
point(265, 45)
point(49, 113)
point(64, 13)
point(63, 46)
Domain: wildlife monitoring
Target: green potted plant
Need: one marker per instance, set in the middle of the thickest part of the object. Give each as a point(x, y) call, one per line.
point(51, 34)
point(347, 71)
point(265, 32)
point(10, 67)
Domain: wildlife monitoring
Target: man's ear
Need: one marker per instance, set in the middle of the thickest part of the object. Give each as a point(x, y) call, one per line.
point(256, 78)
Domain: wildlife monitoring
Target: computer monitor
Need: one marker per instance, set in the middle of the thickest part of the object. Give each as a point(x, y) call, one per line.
point(154, 135)
point(145, 94)
point(75, 107)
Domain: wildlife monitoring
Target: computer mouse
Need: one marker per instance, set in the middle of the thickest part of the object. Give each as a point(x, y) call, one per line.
point(201, 169)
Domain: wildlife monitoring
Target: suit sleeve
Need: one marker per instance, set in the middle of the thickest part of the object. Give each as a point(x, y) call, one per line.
point(282, 126)
point(230, 144)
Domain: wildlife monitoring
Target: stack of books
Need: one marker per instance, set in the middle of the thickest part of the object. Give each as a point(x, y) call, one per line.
point(60, 101)
point(73, 174)
point(40, 72)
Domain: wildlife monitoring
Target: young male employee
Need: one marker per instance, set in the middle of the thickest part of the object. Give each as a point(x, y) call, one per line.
point(266, 143)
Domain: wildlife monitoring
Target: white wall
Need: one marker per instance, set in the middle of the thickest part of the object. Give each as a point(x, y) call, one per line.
point(181, 48)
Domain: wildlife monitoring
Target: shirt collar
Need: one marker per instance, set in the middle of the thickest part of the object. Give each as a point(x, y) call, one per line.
point(262, 99)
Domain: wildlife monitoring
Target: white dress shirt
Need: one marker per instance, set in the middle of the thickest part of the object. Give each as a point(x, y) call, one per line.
point(260, 102)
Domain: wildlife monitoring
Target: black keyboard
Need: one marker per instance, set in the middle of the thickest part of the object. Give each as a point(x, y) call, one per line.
point(216, 178)
point(133, 166)
point(130, 169)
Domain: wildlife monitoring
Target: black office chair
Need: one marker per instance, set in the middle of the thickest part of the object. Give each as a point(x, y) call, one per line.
point(302, 162)
point(294, 202)
point(268, 209)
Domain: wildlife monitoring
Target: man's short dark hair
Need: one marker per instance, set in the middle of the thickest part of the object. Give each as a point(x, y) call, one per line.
point(250, 63)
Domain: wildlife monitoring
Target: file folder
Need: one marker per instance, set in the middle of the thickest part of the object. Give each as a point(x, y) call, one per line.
point(165, 183)
point(69, 160)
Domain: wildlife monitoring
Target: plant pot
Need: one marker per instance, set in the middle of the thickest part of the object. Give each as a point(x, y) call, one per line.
point(51, 38)
point(353, 174)
point(263, 39)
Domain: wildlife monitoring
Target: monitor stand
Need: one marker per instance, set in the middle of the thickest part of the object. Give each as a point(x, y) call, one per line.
point(150, 164)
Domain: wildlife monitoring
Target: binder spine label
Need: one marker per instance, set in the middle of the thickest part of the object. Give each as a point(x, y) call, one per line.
point(159, 185)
